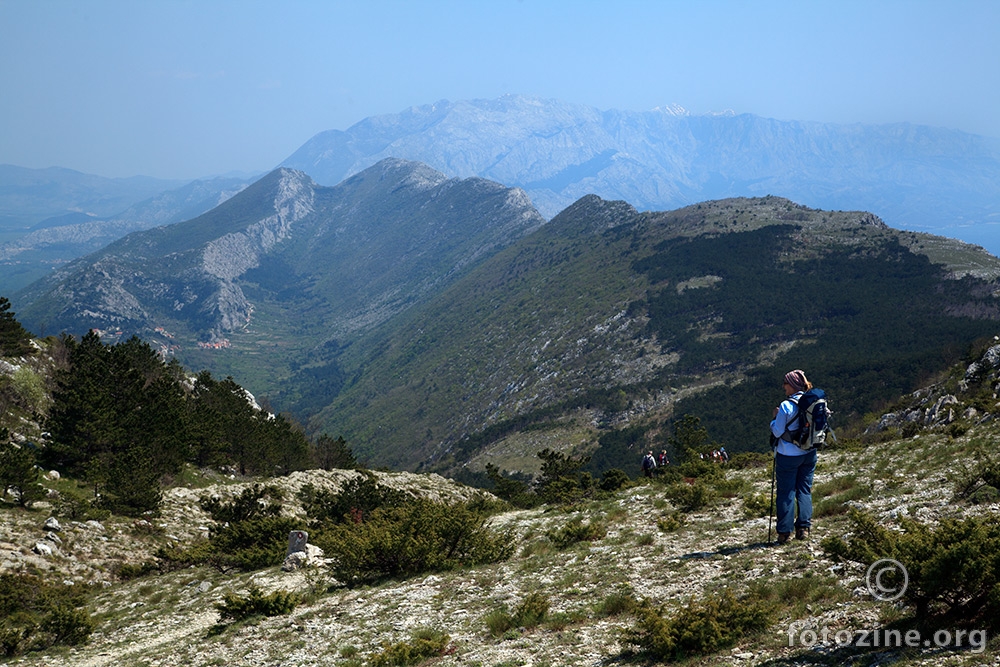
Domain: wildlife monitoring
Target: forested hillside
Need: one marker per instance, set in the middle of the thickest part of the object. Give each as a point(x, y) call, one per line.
point(124, 422)
point(607, 324)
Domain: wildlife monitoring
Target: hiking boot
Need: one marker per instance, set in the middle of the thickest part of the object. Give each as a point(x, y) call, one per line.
point(783, 537)
point(802, 533)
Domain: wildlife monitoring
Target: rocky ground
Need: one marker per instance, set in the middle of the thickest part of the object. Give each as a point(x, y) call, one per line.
point(171, 619)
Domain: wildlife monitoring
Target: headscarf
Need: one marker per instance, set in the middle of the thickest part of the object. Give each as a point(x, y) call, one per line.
point(797, 379)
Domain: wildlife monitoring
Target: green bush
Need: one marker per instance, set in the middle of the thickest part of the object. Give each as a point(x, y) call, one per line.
point(744, 460)
point(241, 607)
point(250, 545)
point(354, 502)
point(953, 568)
point(984, 474)
point(253, 502)
point(426, 643)
point(670, 522)
point(704, 625)
point(249, 534)
point(36, 615)
point(614, 479)
point(690, 497)
point(532, 612)
point(621, 601)
point(756, 505)
point(512, 488)
point(576, 531)
point(420, 536)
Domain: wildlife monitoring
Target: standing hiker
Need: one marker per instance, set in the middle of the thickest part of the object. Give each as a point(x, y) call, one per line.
point(793, 467)
point(648, 464)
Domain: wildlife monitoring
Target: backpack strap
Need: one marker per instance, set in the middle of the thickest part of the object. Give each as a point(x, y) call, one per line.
point(796, 414)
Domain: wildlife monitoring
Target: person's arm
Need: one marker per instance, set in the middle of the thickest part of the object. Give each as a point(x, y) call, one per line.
point(781, 416)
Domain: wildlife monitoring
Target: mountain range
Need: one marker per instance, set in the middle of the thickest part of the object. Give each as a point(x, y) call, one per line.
point(914, 177)
point(443, 323)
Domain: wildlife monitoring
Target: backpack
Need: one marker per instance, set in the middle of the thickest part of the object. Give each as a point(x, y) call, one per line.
point(812, 421)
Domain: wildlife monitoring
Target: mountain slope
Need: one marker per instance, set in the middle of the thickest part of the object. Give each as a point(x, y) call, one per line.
point(914, 177)
point(651, 550)
point(608, 317)
point(285, 263)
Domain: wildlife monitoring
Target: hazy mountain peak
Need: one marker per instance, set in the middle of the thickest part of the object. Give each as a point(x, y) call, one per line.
point(672, 109)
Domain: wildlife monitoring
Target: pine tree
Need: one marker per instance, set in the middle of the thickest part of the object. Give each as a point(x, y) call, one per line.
point(15, 341)
point(18, 472)
point(330, 454)
point(118, 404)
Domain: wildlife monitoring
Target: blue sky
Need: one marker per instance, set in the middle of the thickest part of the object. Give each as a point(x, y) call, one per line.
point(183, 89)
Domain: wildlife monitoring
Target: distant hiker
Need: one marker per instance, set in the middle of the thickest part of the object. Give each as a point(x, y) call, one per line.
point(793, 467)
point(724, 454)
point(663, 461)
point(648, 464)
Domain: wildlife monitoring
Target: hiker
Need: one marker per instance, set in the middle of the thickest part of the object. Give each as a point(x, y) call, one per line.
point(663, 461)
point(793, 467)
point(724, 454)
point(648, 464)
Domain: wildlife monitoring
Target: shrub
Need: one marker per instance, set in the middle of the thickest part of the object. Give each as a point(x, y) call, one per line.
point(35, 615)
point(250, 545)
point(744, 460)
point(670, 522)
point(614, 479)
point(129, 571)
point(531, 613)
point(577, 531)
point(512, 488)
point(985, 474)
point(426, 643)
point(355, 501)
point(561, 481)
point(421, 536)
point(255, 603)
point(953, 568)
point(703, 626)
point(254, 502)
point(29, 388)
point(249, 534)
point(622, 601)
point(756, 505)
point(690, 497)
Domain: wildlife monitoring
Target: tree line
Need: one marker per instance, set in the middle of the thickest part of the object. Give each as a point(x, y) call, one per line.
point(124, 421)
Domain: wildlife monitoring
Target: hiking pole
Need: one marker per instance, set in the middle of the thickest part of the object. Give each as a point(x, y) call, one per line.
point(770, 510)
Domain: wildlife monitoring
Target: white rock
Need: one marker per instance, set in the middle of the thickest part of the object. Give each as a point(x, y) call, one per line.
point(42, 549)
point(52, 524)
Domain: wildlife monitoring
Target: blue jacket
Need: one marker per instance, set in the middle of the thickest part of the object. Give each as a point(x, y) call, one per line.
point(787, 412)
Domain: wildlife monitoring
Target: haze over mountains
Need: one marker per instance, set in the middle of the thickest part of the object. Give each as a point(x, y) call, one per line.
point(56, 215)
point(913, 177)
point(433, 321)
